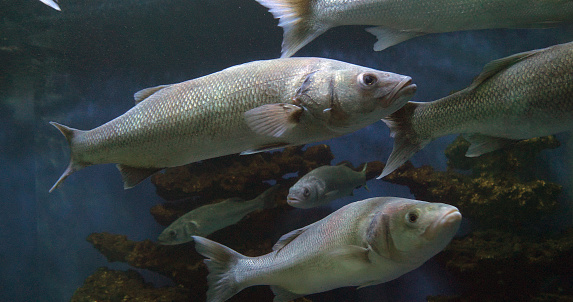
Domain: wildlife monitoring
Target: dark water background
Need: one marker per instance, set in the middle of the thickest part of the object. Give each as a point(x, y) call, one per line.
point(80, 67)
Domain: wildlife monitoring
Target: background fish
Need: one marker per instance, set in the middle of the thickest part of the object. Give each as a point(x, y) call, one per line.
point(208, 219)
point(325, 184)
point(400, 20)
point(364, 243)
point(253, 107)
point(522, 96)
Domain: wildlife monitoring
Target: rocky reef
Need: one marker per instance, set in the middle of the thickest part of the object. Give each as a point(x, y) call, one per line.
point(508, 255)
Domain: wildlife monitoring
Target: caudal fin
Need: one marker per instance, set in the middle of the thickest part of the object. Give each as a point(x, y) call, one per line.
point(222, 282)
point(51, 4)
point(73, 166)
point(406, 140)
point(295, 19)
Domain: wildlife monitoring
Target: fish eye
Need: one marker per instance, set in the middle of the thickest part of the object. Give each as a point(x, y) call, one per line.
point(306, 192)
point(368, 79)
point(412, 216)
point(172, 233)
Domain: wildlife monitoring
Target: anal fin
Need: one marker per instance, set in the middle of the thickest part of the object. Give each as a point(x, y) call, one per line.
point(389, 37)
point(283, 295)
point(132, 176)
point(481, 144)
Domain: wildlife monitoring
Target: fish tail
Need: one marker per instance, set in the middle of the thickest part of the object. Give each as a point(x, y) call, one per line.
point(406, 141)
point(73, 166)
point(51, 4)
point(221, 280)
point(295, 17)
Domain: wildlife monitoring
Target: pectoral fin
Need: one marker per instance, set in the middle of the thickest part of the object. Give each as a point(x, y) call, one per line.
point(352, 256)
point(388, 37)
point(273, 119)
point(481, 144)
point(132, 176)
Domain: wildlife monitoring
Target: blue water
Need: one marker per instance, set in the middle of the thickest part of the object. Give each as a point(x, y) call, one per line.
point(80, 67)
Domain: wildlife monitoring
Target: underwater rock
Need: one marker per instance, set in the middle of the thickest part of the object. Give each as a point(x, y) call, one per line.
point(491, 199)
point(237, 174)
point(111, 285)
point(494, 265)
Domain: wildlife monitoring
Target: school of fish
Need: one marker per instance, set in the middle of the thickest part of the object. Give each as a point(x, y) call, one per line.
point(265, 105)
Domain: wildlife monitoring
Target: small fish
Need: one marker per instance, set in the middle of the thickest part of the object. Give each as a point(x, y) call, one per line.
point(364, 243)
point(325, 184)
point(522, 96)
point(400, 20)
point(207, 219)
point(52, 4)
point(248, 108)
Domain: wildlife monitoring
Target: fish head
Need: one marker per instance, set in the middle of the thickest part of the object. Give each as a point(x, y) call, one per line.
point(352, 96)
point(412, 231)
point(305, 193)
point(178, 233)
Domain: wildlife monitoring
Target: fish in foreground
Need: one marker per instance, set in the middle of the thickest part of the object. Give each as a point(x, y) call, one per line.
point(522, 96)
point(399, 20)
point(52, 4)
point(248, 108)
point(325, 184)
point(208, 219)
point(363, 243)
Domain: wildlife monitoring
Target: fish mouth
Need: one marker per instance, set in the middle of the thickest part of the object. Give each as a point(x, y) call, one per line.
point(449, 221)
point(403, 91)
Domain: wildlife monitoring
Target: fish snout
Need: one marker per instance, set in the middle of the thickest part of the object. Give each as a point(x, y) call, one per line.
point(401, 92)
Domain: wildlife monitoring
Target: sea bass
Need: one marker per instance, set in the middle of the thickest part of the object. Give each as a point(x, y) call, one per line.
point(325, 184)
point(363, 243)
point(210, 218)
point(522, 96)
point(400, 20)
point(248, 108)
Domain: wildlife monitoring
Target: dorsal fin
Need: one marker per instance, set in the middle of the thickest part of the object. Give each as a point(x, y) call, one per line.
point(147, 92)
point(496, 66)
point(288, 237)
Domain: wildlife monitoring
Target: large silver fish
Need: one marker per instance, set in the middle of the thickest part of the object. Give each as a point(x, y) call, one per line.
point(400, 20)
point(364, 243)
point(522, 96)
point(325, 184)
point(208, 219)
point(252, 107)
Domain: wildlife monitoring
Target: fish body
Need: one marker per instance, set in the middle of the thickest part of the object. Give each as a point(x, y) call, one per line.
point(400, 20)
point(208, 219)
point(522, 96)
point(325, 184)
point(363, 243)
point(252, 107)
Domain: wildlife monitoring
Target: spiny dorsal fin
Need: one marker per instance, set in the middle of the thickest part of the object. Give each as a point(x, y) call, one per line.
point(147, 92)
point(496, 66)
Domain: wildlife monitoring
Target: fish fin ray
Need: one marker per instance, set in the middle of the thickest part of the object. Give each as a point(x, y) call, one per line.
point(406, 141)
point(369, 283)
point(295, 19)
point(147, 92)
point(288, 238)
point(351, 255)
point(51, 4)
point(389, 37)
point(494, 67)
point(283, 295)
point(273, 119)
point(265, 148)
point(482, 144)
point(70, 134)
point(132, 176)
point(222, 260)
